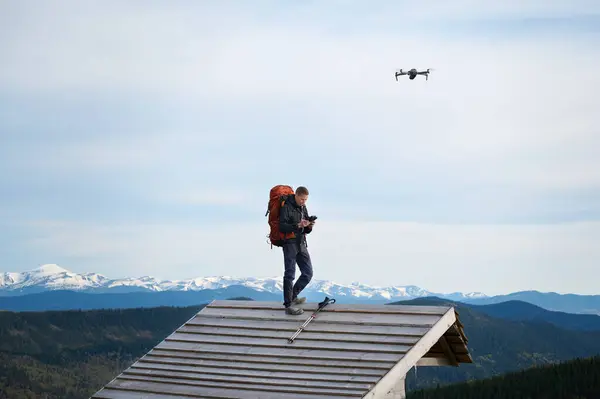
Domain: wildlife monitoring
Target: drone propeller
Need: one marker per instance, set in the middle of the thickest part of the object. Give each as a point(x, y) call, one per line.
point(398, 73)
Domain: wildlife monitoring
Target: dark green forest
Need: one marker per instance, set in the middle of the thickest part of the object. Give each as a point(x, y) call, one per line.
point(574, 379)
point(71, 354)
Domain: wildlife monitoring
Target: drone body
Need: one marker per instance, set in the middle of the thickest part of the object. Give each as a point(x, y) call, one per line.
point(413, 74)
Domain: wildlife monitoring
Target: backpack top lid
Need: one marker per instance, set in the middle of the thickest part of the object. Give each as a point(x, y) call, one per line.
point(280, 190)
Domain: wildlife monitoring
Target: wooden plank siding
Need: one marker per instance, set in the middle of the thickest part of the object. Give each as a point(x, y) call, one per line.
point(239, 349)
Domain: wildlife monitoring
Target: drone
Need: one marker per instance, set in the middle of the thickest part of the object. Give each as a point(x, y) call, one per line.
point(413, 74)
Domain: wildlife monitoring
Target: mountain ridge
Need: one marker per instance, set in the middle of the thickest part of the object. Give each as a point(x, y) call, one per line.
point(53, 277)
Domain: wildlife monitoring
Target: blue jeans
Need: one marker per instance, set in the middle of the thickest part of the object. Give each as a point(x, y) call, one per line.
point(294, 252)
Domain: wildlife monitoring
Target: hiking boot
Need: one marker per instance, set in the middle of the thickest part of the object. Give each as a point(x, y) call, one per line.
point(294, 311)
point(298, 301)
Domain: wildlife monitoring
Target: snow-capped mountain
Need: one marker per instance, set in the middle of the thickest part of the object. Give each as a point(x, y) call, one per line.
point(53, 277)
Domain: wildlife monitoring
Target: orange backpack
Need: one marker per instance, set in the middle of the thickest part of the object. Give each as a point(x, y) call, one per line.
point(277, 197)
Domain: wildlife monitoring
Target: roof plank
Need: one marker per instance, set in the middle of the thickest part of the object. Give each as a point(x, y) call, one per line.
point(109, 393)
point(224, 366)
point(323, 316)
point(249, 372)
point(264, 361)
point(167, 385)
point(286, 380)
point(147, 389)
point(291, 350)
point(335, 307)
point(193, 330)
point(282, 343)
point(291, 325)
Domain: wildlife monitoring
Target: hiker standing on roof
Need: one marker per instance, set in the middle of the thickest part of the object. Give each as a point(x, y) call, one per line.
point(294, 218)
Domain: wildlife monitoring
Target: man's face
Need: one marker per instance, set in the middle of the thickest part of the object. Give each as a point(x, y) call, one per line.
point(301, 199)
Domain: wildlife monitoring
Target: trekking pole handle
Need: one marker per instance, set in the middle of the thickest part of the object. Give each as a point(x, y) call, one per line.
point(325, 302)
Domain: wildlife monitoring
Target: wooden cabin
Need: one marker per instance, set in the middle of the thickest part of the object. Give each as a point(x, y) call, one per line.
point(240, 349)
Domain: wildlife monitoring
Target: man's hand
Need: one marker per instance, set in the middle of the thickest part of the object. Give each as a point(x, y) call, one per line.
point(303, 223)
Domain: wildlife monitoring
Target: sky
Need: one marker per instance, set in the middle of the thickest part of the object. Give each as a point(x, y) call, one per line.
point(142, 138)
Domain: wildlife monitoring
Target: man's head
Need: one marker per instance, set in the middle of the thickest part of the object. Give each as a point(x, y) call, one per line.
point(301, 195)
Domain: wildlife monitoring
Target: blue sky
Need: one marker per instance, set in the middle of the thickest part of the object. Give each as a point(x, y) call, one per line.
point(136, 139)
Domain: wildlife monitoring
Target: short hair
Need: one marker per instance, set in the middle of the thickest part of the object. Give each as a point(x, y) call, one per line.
point(301, 191)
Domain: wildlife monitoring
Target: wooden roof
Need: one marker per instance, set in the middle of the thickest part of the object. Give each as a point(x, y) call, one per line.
point(240, 349)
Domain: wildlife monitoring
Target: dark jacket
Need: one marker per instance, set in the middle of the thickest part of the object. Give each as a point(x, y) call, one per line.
point(290, 215)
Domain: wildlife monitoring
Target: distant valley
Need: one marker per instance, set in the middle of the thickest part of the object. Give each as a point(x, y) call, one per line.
point(74, 300)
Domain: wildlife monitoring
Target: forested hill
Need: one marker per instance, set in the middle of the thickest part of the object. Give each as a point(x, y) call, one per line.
point(71, 354)
point(574, 379)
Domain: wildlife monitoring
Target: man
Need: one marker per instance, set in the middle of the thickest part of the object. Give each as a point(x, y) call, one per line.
point(293, 218)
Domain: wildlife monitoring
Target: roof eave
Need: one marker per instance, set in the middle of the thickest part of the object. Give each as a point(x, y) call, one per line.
point(412, 357)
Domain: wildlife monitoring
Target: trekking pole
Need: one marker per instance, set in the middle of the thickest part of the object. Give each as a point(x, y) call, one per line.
point(325, 302)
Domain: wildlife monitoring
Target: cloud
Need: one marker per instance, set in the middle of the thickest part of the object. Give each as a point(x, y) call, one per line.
point(209, 196)
point(182, 51)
